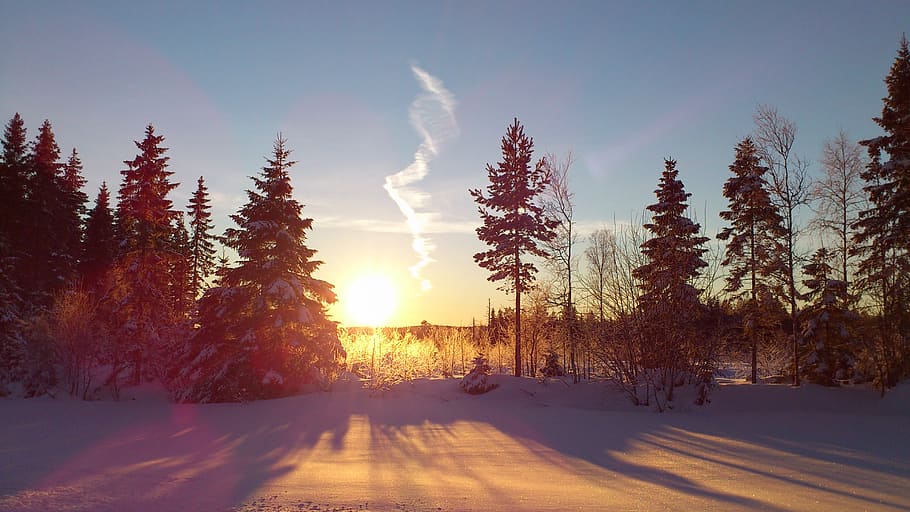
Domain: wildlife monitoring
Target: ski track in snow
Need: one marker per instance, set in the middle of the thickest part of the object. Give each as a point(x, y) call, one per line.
point(425, 446)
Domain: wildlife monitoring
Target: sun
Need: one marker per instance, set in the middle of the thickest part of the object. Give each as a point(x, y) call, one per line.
point(369, 300)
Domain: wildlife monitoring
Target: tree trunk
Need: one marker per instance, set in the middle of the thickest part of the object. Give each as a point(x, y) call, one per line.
point(755, 306)
point(794, 332)
point(517, 314)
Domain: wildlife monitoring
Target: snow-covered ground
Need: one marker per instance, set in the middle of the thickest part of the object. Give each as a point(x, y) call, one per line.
point(427, 446)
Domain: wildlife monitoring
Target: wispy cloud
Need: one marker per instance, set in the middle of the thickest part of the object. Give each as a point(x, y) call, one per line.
point(432, 114)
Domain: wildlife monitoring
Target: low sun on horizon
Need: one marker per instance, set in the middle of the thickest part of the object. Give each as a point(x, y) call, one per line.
point(368, 300)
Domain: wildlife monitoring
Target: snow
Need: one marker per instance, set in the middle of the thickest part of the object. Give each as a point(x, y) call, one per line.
point(425, 445)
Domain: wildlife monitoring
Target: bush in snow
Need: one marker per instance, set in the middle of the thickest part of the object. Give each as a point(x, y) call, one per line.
point(551, 367)
point(475, 382)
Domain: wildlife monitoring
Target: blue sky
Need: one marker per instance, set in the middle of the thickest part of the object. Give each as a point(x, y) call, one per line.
point(621, 85)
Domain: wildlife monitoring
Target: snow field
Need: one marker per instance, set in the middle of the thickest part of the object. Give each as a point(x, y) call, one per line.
point(425, 445)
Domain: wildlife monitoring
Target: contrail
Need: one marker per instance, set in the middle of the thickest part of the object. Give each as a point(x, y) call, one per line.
point(432, 115)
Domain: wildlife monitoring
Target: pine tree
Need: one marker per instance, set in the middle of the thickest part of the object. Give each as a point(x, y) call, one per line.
point(669, 301)
point(514, 222)
point(753, 249)
point(883, 236)
point(99, 248)
point(140, 296)
point(264, 330)
point(202, 248)
point(825, 323)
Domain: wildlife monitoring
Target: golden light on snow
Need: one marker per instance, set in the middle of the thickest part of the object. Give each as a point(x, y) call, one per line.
point(369, 300)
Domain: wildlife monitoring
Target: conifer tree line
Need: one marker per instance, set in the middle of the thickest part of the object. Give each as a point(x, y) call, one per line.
point(812, 281)
point(807, 279)
point(94, 298)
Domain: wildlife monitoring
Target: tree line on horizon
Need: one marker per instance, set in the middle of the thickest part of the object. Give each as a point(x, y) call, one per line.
point(137, 289)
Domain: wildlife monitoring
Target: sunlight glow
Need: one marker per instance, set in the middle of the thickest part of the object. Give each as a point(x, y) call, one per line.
point(369, 300)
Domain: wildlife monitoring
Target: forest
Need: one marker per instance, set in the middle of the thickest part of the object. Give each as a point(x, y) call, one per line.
point(808, 281)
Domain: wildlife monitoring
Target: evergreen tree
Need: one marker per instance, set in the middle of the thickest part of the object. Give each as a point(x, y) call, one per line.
point(825, 323)
point(140, 297)
point(202, 247)
point(13, 214)
point(145, 215)
point(264, 330)
point(50, 262)
point(753, 248)
point(181, 276)
point(514, 222)
point(14, 170)
point(12, 347)
point(883, 236)
point(99, 248)
point(669, 301)
point(72, 210)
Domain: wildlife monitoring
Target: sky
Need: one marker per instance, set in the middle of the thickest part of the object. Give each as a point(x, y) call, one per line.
point(424, 91)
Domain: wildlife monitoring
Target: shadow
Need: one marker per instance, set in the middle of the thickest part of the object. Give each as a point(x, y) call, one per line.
point(425, 445)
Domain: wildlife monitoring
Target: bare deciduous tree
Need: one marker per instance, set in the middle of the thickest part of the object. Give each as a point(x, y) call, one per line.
point(599, 258)
point(839, 197)
point(559, 205)
point(790, 190)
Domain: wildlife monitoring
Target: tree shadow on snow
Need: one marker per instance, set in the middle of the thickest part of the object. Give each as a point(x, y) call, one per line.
point(428, 445)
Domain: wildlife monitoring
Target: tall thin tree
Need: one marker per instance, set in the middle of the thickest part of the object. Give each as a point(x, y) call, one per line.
point(514, 222)
point(839, 198)
point(50, 264)
point(141, 298)
point(202, 247)
point(669, 299)
point(559, 205)
point(73, 209)
point(883, 236)
point(753, 248)
point(14, 171)
point(790, 187)
point(99, 248)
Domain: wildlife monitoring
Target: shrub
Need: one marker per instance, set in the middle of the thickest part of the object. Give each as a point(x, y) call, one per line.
point(476, 382)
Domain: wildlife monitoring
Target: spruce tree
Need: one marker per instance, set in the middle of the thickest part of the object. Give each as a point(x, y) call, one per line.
point(73, 210)
point(13, 215)
point(99, 247)
point(145, 215)
point(825, 323)
point(514, 222)
point(202, 247)
point(883, 236)
point(140, 297)
point(14, 170)
point(753, 249)
point(263, 330)
point(181, 276)
point(669, 301)
point(50, 262)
